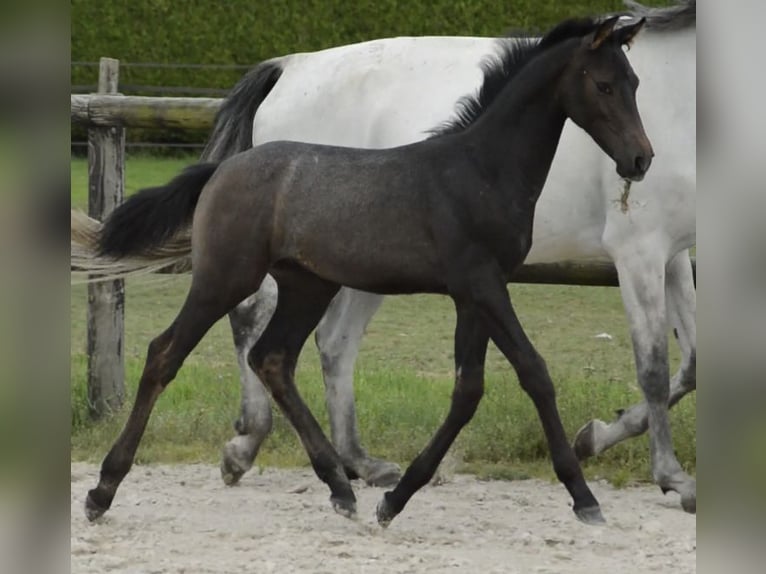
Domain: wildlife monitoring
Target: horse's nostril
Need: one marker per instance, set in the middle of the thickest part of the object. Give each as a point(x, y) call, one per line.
point(642, 163)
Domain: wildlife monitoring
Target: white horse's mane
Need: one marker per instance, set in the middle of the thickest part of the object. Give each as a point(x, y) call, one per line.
point(682, 14)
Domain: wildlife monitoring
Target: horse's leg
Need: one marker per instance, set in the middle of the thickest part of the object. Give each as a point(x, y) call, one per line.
point(681, 297)
point(338, 337)
point(597, 436)
point(491, 295)
point(470, 351)
point(303, 299)
point(642, 285)
point(204, 305)
point(248, 321)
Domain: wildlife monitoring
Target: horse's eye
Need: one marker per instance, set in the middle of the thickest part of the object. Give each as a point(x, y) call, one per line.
point(604, 88)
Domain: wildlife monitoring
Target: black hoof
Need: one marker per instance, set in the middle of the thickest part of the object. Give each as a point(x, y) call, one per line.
point(93, 510)
point(385, 512)
point(583, 442)
point(346, 508)
point(590, 515)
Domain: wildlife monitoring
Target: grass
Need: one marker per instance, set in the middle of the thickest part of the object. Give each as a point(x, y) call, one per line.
point(403, 377)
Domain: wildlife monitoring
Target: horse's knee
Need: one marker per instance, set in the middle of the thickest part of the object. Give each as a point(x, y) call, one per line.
point(270, 366)
point(160, 367)
point(159, 344)
point(336, 364)
point(467, 395)
point(653, 375)
point(337, 351)
point(534, 378)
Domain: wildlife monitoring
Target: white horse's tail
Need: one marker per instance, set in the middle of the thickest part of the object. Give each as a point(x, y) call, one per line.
point(89, 267)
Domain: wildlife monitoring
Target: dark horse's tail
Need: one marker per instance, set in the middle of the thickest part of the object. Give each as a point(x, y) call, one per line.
point(154, 215)
point(151, 228)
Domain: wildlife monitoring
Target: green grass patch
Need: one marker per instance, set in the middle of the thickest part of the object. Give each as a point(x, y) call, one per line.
point(403, 378)
point(141, 171)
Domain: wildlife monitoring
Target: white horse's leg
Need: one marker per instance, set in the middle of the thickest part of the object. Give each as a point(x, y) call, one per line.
point(248, 321)
point(682, 308)
point(338, 338)
point(641, 272)
point(597, 436)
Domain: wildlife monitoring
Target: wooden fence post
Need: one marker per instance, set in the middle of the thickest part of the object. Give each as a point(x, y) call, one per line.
point(106, 300)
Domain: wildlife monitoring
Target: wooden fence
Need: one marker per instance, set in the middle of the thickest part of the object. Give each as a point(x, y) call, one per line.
point(107, 114)
point(106, 300)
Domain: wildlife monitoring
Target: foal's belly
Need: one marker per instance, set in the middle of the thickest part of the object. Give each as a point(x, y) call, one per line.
point(378, 263)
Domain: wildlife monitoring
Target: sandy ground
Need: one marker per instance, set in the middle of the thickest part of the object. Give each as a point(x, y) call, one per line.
point(181, 518)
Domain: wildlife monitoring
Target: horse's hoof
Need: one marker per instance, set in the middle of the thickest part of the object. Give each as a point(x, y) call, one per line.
point(385, 512)
point(686, 487)
point(383, 473)
point(230, 476)
point(590, 515)
point(231, 471)
point(373, 471)
point(585, 440)
point(346, 508)
point(689, 503)
point(93, 510)
point(233, 464)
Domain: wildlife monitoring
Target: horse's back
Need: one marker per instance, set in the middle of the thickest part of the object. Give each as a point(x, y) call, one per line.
point(376, 94)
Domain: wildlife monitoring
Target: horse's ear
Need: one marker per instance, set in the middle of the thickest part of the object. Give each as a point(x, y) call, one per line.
point(604, 30)
point(626, 34)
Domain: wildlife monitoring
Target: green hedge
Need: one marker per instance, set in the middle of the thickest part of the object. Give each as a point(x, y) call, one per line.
point(249, 31)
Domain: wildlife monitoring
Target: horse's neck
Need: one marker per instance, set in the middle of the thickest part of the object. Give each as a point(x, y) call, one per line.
point(518, 135)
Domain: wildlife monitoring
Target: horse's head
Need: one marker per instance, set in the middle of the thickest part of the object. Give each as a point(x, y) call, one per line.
point(599, 94)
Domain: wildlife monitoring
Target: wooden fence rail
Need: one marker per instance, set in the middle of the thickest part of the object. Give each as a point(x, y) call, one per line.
point(144, 111)
point(107, 114)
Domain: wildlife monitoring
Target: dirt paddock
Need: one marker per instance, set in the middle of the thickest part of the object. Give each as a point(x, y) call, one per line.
point(182, 519)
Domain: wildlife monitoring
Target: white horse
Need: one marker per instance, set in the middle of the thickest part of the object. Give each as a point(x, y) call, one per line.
point(390, 92)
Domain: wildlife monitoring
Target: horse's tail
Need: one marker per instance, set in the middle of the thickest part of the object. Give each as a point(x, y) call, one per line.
point(154, 215)
point(233, 129)
point(149, 231)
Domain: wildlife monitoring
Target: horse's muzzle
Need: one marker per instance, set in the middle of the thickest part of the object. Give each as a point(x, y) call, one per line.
point(637, 169)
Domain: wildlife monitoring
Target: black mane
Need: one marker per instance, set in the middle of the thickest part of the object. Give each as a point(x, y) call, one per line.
point(515, 51)
point(500, 69)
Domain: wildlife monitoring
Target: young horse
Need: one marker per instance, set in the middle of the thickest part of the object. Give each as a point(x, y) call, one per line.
point(318, 217)
point(392, 92)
